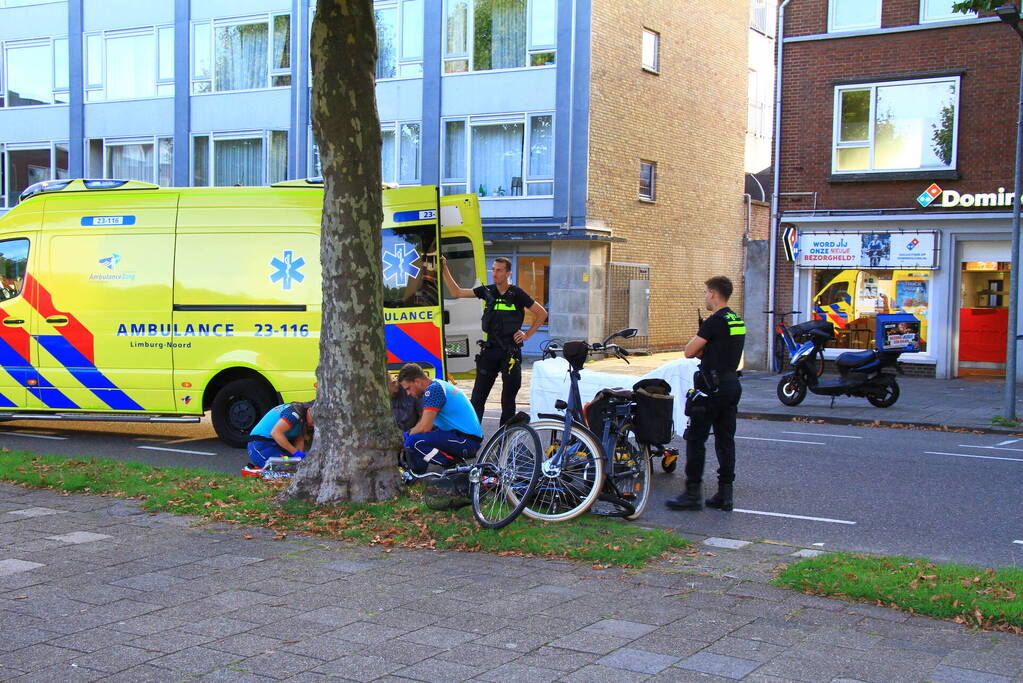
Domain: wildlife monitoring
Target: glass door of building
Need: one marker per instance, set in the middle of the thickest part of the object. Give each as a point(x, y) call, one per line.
point(983, 309)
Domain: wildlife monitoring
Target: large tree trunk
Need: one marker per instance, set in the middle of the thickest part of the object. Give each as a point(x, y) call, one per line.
point(354, 455)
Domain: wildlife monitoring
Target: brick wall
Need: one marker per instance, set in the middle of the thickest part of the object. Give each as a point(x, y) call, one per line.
point(987, 56)
point(691, 120)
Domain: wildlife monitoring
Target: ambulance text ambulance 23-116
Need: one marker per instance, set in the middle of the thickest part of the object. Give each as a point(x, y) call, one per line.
point(122, 300)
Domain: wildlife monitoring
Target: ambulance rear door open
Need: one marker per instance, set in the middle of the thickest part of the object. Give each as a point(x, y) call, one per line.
point(413, 309)
point(462, 246)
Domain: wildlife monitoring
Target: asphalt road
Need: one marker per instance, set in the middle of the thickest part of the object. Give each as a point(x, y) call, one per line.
point(942, 495)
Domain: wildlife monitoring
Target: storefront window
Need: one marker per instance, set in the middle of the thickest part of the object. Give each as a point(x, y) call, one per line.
point(852, 300)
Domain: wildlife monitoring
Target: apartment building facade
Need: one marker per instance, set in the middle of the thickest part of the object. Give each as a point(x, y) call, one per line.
point(896, 174)
point(603, 164)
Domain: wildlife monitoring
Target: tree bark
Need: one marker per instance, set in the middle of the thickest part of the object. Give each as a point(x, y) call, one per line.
point(354, 454)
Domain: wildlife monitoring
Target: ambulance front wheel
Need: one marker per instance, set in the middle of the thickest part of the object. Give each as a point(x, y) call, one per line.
point(237, 407)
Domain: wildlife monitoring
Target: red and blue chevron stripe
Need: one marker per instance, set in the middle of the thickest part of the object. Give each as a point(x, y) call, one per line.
point(414, 343)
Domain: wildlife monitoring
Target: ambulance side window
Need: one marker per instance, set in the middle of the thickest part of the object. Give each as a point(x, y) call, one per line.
point(461, 262)
point(410, 267)
point(13, 263)
point(834, 295)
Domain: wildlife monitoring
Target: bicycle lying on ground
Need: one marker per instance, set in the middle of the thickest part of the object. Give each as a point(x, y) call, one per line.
point(610, 473)
point(502, 479)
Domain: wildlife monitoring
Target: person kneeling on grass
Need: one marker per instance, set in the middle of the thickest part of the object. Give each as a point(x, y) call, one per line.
point(282, 433)
point(448, 430)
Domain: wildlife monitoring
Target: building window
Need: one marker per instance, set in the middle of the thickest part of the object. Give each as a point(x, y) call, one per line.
point(481, 35)
point(240, 159)
point(241, 54)
point(35, 72)
point(399, 39)
point(149, 160)
point(651, 50)
point(499, 156)
point(897, 126)
point(647, 181)
point(853, 15)
point(24, 165)
point(132, 64)
point(941, 10)
point(852, 300)
point(760, 17)
point(399, 154)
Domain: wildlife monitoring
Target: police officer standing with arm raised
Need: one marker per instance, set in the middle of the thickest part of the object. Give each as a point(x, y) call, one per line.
point(718, 344)
point(503, 314)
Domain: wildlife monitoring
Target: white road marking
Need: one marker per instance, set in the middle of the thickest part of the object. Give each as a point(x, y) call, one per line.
point(780, 514)
point(819, 545)
point(982, 457)
point(176, 450)
point(491, 418)
point(1020, 542)
point(35, 436)
point(760, 438)
point(992, 448)
point(1006, 443)
point(836, 436)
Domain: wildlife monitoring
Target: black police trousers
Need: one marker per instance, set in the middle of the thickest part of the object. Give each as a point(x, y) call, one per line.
point(491, 362)
point(717, 411)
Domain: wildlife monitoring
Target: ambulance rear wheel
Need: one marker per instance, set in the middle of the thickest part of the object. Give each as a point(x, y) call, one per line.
point(237, 407)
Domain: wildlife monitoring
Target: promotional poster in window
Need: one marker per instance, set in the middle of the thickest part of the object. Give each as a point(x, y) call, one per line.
point(899, 331)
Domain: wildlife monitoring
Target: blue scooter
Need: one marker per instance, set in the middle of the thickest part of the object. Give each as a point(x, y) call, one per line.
point(869, 374)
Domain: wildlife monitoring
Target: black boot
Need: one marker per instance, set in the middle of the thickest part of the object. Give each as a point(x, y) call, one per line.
point(722, 500)
point(692, 499)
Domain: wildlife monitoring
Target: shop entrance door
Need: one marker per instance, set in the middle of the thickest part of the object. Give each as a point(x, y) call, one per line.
point(983, 319)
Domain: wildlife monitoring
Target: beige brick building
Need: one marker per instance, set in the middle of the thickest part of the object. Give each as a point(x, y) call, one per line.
point(685, 113)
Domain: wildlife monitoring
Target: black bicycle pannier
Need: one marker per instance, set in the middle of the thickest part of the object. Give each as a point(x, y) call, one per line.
point(653, 422)
point(575, 353)
point(803, 332)
point(602, 408)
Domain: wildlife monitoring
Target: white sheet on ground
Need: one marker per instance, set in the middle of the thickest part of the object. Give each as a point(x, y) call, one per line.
point(550, 382)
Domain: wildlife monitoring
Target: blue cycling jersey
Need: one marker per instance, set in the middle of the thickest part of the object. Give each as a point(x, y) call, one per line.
point(454, 412)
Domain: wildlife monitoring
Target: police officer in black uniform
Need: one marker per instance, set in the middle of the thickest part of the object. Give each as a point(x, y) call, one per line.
point(503, 314)
point(715, 398)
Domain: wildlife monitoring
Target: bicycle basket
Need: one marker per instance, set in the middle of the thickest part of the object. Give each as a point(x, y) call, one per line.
point(449, 492)
point(655, 405)
point(602, 408)
point(575, 353)
point(804, 331)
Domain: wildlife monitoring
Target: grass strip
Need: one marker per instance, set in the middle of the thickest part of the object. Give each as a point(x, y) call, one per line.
point(981, 598)
point(405, 521)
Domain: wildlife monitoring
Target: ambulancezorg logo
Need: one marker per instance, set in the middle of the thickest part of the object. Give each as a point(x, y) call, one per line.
point(951, 199)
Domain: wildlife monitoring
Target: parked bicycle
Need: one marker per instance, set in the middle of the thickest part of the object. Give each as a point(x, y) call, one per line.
point(502, 479)
point(788, 340)
point(580, 468)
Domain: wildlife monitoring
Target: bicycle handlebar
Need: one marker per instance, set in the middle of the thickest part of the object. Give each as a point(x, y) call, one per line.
point(552, 349)
point(786, 313)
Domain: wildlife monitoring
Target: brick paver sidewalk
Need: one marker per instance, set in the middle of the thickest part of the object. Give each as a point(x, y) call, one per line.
point(96, 589)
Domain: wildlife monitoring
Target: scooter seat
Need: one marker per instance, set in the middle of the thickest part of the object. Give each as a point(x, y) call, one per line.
point(851, 359)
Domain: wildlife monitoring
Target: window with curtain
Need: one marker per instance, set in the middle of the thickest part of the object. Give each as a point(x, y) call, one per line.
point(240, 57)
point(201, 161)
point(496, 158)
point(481, 35)
point(896, 126)
point(453, 180)
point(408, 155)
point(130, 162)
point(388, 152)
point(237, 161)
point(277, 161)
point(541, 157)
point(852, 15)
point(165, 162)
point(387, 42)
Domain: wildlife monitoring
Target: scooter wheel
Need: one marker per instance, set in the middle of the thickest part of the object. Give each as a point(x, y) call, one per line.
point(891, 395)
point(791, 391)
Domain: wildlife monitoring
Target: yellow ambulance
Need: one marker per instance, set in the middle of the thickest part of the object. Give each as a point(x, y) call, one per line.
point(853, 299)
point(125, 301)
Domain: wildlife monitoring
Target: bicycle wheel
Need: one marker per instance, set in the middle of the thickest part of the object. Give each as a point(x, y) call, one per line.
point(509, 462)
point(631, 475)
point(567, 491)
point(780, 353)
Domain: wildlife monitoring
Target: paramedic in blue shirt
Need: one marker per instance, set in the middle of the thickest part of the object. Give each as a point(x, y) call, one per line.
point(280, 434)
point(448, 430)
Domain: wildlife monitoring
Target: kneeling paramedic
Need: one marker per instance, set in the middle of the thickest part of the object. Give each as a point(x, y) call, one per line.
point(714, 399)
point(448, 431)
point(503, 315)
point(282, 433)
